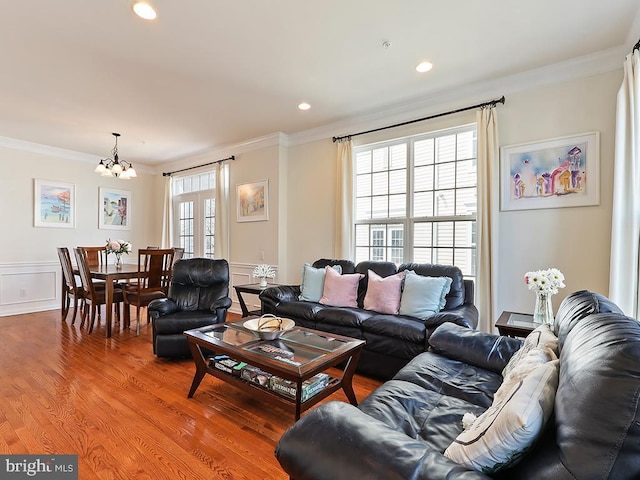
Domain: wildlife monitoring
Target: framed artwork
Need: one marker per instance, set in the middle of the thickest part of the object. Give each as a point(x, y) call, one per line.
point(54, 204)
point(554, 173)
point(253, 201)
point(115, 209)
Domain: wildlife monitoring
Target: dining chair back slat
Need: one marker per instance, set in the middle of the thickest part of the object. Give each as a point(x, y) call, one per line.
point(95, 255)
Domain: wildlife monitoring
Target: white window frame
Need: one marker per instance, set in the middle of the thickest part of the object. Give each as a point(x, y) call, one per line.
point(462, 247)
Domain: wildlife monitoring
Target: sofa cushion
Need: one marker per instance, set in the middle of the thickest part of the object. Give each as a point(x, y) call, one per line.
point(340, 290)
point(383, 293)
point(540, 338)
point(348, 317)
point(452, 377)
point(418, 413)
point(505, 432)
point(299, 309)
point(407, 329)
point(423, 296)
point(312, 283)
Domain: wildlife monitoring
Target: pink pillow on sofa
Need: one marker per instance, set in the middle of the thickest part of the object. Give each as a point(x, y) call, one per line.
point(340, 290)
point(383, 294)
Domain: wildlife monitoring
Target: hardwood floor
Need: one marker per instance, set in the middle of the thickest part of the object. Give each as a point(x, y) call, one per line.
point(124, 412)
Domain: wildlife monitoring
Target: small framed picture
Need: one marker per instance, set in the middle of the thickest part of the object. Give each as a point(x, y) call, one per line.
point(54, 204)
point(253, 201)
point(115, 209)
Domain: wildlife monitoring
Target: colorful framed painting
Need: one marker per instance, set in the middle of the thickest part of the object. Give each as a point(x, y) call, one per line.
point(54, 204)
point(555, 173)
point(115, 209)
point(253, 201)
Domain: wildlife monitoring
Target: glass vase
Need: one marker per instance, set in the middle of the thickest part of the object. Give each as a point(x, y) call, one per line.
point(543, 311)
point(118, 261)
point(263, 282)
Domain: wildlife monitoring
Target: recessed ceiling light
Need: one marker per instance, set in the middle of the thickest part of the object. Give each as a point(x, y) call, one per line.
point(144, 10)
point(424, 67)
point(304, 106)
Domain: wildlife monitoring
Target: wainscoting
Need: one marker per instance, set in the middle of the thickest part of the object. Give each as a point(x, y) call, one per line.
point(35, 287)
point(29, 287)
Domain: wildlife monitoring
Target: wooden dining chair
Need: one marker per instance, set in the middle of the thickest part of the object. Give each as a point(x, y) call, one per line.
point(94, 296)
point(178, 252)
point(70, 288)
point(154, 276)
point(96, 255)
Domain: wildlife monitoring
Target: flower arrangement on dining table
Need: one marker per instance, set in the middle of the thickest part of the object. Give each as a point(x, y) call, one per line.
point(545, 283)
point(263, 272)
point(118, 247)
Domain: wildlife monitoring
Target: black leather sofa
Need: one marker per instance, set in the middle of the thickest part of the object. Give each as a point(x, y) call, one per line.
point(392, 340)
point(402, 429)
point(198, 296)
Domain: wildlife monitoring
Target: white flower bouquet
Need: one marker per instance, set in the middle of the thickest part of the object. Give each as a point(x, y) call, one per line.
point(547, 282)
point(264, 271)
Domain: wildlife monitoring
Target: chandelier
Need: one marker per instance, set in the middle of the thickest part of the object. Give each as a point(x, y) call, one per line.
point(114, 167)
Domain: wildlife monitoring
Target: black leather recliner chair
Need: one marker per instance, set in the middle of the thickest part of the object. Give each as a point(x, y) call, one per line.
point(198, 296)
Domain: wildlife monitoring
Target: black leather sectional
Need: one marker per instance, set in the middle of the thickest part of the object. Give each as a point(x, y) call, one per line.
point(392, 340)
point(402, 429)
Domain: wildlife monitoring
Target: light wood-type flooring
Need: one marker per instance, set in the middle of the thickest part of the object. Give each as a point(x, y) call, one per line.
point(124, 412)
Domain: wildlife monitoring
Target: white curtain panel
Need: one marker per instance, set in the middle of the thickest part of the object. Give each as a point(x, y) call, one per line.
point(344, 247)
point(488, 188)
point(167, 215)
point(221, 233)
point(625, 225)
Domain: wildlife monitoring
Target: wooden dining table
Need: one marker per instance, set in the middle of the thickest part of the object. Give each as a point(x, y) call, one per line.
point(110, 274)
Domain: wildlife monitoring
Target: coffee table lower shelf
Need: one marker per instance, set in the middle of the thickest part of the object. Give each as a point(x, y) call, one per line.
point(334, 385)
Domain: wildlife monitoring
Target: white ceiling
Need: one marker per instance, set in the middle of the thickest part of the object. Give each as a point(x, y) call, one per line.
point(209, 73)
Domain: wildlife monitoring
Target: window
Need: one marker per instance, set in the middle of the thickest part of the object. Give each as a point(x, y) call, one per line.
point(194, 208)
point(416, 199)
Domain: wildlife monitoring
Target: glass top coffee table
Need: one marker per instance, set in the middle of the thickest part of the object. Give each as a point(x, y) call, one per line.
point(290, 370)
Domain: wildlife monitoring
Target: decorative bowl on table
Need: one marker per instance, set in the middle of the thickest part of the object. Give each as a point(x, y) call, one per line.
point(268, 326)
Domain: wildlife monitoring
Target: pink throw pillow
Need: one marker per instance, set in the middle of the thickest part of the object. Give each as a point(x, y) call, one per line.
point(340, 290)
point(383, 294)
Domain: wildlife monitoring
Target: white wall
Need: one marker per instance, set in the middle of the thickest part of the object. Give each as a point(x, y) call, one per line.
point(29, 266)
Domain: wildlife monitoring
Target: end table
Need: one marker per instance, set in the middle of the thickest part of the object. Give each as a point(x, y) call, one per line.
point(512, 324)
point(254, 289)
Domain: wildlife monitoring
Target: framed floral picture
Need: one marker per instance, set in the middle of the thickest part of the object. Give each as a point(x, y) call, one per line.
point(253, 201)
point(54, 204)
point(115, 209)
point(554, 173)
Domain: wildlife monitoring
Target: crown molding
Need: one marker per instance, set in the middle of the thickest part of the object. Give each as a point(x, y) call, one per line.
point(580, 67)
point(212, 154)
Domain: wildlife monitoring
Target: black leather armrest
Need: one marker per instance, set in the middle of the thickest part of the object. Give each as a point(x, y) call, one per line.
point(336, 441)
point(161, 306)
point(464, 315)
point(222, 303)
point(271, 297)
point(481, 349)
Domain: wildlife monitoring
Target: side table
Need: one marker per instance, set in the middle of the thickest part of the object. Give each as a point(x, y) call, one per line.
point(512, 324)
point(254, 289)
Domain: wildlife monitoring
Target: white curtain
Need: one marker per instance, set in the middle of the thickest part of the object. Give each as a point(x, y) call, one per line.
point(167, 216)
point(625, 225)
point(488, 158)
point(222, 211)
point(344, 201)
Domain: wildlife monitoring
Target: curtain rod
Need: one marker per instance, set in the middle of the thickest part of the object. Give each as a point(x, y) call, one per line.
point(636, 47)
point(168, 174)
point(480, 105)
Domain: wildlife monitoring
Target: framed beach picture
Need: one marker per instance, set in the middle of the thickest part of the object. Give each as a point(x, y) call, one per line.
point(54, 204)
point(115, 209)
point(554, 173)
point(253, 201)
